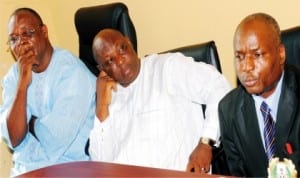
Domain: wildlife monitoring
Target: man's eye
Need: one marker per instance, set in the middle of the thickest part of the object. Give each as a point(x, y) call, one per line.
point(13, 39)
point(109, 61)
point(28, 33)
point(258, 55)
point(239, 57)
point(123, 48)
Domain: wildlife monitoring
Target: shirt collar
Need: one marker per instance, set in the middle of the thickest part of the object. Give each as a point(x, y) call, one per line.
point(272, 100)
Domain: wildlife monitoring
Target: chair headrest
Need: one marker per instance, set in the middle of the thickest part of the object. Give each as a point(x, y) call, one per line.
point(204, 52)
point(90, 20)
point(291, 39)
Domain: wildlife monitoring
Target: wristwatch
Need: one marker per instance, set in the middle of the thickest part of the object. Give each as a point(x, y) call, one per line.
point(207, 141)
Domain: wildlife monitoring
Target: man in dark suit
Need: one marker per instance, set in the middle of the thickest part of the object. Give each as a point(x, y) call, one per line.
point(265, 78)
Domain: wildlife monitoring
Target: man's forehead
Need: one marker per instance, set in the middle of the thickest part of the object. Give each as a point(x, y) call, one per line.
point(22, 17)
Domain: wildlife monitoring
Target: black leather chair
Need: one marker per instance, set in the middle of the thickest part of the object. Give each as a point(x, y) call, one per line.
point(291, 39)
point(90, 20)
point(207, 52)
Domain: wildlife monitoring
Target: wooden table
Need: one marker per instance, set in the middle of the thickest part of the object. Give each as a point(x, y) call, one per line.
point(101, 169)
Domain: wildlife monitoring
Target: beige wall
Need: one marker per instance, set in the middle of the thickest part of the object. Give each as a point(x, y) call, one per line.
point(160, 25)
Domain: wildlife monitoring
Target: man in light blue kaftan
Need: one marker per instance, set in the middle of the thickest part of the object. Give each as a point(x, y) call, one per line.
point(48, 98)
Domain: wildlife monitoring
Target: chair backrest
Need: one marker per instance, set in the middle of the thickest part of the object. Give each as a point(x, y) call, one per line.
point(291, 39)
point(205, 52)
point(90, 20)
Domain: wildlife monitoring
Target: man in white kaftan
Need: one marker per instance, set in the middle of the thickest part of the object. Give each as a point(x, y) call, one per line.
point(157, 120)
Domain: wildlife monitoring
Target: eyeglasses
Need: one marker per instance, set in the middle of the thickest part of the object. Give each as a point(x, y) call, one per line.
point(26, 34)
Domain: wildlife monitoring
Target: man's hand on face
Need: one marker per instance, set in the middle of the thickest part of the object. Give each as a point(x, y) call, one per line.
point(26, 58)
point(105, 85)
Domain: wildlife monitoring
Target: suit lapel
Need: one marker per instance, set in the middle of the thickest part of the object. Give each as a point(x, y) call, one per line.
point(251, 132)
point(286, 111)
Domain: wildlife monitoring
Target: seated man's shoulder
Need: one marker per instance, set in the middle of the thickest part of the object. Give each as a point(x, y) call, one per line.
point(234, 97)
point(63, 53)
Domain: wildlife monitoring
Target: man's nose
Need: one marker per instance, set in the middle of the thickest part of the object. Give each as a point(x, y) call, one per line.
point(119, 61)
point(23, 39)
point(248, 63)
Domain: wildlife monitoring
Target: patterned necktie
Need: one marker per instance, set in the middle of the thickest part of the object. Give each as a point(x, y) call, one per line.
point(269, 130)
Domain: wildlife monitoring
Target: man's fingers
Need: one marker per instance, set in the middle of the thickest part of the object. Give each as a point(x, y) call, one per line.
point(114, 86)
point(102, 74)
point(197, 169)
point(189, 168)
point(194, 167)
point(111, 82)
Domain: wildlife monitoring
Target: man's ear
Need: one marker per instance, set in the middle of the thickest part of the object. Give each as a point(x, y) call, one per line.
point(128, 40)
point(44, 30)
point(282, 54)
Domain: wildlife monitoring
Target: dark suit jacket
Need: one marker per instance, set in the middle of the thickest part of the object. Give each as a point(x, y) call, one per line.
point(240, 131)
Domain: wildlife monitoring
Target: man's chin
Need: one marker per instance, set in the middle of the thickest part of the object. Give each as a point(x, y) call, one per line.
point(253, 91)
